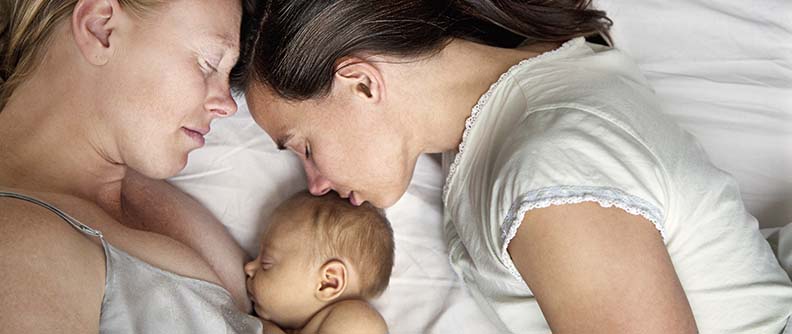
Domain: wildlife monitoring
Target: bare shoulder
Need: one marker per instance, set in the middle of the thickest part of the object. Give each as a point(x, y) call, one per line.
point(28, 225)
point(46, 259)
point(353, 316)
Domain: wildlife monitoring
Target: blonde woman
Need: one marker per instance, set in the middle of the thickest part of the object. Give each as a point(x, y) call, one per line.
point(89, 90)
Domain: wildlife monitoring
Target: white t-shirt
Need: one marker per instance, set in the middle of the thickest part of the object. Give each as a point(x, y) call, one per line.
point(580, 124)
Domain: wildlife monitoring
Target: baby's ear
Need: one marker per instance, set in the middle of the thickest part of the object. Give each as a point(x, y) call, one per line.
point(333, 280)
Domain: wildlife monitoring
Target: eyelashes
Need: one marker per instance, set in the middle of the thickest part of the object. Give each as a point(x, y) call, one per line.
point(207, 66)
point(266, 264)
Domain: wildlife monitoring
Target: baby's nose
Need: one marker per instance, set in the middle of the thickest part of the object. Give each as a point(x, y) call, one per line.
point(250, 268)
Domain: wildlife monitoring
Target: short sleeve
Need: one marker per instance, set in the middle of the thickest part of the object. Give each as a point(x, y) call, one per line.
point(571, 155)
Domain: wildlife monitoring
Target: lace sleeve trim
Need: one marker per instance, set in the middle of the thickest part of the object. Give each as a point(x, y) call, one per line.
point(484, 99)
point(605, 196)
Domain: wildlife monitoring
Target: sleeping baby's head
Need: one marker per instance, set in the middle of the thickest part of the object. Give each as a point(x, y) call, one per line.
point(317, 251)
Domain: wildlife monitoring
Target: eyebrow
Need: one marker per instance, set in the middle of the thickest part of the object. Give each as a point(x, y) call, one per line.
point(282, 141)
point(228, 43)
point(226, 40)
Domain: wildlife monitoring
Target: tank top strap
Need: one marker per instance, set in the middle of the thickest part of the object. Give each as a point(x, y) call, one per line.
point(73, 222)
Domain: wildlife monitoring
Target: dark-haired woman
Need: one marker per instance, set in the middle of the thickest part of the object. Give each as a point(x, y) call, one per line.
point(572, 204)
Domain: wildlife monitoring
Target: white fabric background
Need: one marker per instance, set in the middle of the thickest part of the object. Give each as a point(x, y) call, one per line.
point(723, 70)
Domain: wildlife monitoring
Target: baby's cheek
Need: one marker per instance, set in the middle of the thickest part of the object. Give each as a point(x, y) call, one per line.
point(257, 290)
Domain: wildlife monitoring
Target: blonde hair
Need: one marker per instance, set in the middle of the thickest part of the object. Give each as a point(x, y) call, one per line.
point(362, 235)
point(25, 29)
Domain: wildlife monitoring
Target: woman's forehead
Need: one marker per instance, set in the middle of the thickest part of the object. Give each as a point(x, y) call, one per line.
point(284, 126)
point(206, 16)
point(281, 130)
point(285, 119)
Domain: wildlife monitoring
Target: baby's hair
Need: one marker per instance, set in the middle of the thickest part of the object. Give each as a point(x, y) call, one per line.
point(360, 234)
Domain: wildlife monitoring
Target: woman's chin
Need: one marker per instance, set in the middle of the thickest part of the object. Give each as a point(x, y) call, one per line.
point(386, 201)
point(163, 170)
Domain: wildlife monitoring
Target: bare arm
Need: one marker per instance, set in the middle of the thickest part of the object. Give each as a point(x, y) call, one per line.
point(598, 270)
point(156, 206)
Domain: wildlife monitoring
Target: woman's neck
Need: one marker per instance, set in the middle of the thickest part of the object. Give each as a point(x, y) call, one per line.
point(459, 75)
point(47, 143)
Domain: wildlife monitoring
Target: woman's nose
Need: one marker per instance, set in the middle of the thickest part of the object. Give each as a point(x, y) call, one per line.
point(318, 185)
point(220, 102)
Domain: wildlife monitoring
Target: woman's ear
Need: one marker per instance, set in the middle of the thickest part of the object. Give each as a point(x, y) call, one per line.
point(333, 280)
point(361, 78)
point(93, 22)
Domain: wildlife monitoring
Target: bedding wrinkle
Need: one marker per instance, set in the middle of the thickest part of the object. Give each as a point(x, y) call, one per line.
point(204, 174)
point(752, 17)
point(425, 281)
point(722, 69)
point(751, 73)
point(247, 145)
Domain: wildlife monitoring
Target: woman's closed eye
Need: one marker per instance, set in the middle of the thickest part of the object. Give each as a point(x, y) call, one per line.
point(207, 66)
point(308, 152)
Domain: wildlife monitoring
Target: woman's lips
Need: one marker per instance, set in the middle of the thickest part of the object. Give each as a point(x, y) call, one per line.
point(351, 197)
point(354, 200)
point(196, 135)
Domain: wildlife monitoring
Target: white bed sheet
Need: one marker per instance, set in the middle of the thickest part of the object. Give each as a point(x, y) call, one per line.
point(723, 70)
point(780, 239)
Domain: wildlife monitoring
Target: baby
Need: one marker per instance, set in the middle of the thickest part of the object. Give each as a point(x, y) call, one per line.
point(320, 260)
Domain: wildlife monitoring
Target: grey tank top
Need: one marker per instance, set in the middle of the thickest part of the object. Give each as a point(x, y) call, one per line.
point(141, 298)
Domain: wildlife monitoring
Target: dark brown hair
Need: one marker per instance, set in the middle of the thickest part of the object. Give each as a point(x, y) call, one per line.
point(297, 43)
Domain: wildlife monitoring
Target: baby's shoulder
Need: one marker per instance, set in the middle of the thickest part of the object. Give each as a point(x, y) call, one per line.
point(351, 316)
